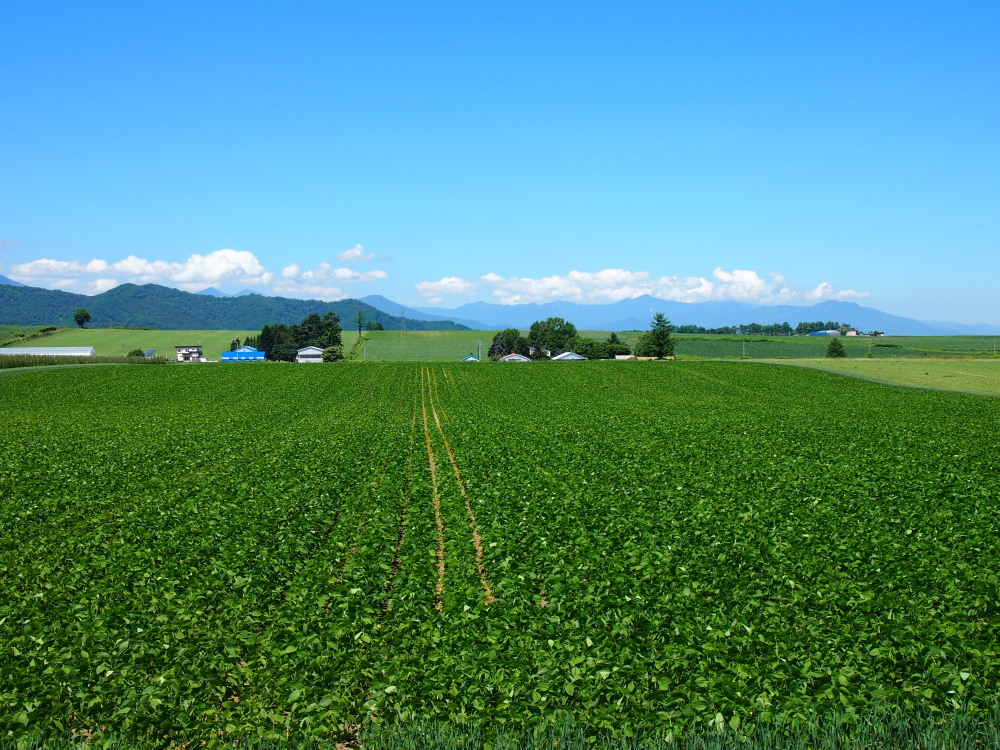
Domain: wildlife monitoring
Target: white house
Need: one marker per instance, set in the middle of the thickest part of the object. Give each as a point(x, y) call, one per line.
point(568, 357)
point(514, 357)
point(189, 354)
point(309, 354)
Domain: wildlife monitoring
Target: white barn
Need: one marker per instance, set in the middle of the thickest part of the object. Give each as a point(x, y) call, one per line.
point(309, 354)
point(568, 357)
point(50, 351)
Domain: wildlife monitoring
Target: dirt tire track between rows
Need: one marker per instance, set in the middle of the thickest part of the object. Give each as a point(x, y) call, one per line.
point(477, 541)
point(435, 491)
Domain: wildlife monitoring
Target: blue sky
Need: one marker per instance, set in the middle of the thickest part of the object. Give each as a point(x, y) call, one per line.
point(441, 153)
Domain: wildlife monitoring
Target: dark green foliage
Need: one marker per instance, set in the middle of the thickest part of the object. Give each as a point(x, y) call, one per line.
point(280, 342)
point(552, 334)
point(81, 317)
point(657, 342)
point(163, 308)
point(615, 346)
point(836, 348)
point(819, 325)
point(136, 353)
point(588, 347)
point(508, 341)
point(13, 361)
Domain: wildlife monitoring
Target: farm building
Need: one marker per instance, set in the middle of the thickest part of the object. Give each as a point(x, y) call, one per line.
point(50, 351)
point(189, 353)
point(309, 354)
point(568, 357)
point(514, 357)
point(470, 358)
point(825, 333)
point(624, 356)
point(243, 354)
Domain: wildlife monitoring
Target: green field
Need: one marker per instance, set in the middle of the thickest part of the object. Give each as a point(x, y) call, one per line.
point(110, 342)
point(450, 346)
point(967, 375)
point(224, 553)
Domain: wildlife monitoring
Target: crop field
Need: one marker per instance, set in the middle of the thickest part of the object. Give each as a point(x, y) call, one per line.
point(453, 345)
point(224, 553)
point(966, 375)
point(111, 342)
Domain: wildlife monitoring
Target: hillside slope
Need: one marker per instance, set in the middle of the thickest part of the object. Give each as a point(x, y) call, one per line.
point(154, 306)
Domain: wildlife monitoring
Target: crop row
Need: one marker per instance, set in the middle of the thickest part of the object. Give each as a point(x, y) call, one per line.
point(209, 553)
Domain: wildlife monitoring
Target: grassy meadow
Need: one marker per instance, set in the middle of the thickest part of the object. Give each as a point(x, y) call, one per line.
point(110, 342)
point(229, 554)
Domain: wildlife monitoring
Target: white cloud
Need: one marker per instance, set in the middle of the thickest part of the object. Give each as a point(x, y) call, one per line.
point(326, 272)
point(291, 271)
point(308, 291)
point(613, 284)
point(356, 254)
point(195, 273)
point(434, 291)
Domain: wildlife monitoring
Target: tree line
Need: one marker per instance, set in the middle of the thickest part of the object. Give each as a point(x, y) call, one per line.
point(281, 342)
point(553, 336)
point(773, 329)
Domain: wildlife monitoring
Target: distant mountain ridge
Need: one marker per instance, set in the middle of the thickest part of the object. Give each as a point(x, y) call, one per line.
point(635, 314)
point(4, 281)
point(165, 308)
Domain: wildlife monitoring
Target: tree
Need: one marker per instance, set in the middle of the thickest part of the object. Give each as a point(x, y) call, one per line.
point(136, 353)
point(656, 342)
point(552, 334)
point(374, 325)
point(333, 354)
point(588, 347)
point(508, 341)
point(616, 346)
point(81, 317)
point(359, 320)
point(835, 348)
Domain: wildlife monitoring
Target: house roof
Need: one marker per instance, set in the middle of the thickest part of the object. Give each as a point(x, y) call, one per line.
point(514, 357)
point(309, 350)
point(568, 356)
point(470, 358)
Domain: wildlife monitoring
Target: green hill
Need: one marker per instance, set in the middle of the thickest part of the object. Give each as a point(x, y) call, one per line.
point(160, 307)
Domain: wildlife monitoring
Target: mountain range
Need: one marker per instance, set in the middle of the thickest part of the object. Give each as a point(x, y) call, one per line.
point(635, 314)
point(154, 306)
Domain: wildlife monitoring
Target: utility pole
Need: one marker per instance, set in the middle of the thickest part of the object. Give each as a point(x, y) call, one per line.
point(480, 355)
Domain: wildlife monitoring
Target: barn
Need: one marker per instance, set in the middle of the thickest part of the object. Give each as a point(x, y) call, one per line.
point(514, 357)
point(309, 354)
point(568, 357)
point(243, 354)
point(50, 351)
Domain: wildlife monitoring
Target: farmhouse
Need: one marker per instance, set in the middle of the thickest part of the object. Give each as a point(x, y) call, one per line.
point(50, 351)
point(243, 354)
point(189, 353)
point(514, 357)
point(309, 354)
point(568, 357)
point(470, 358)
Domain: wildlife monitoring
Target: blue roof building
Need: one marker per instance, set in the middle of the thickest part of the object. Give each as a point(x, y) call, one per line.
point(243, 354)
